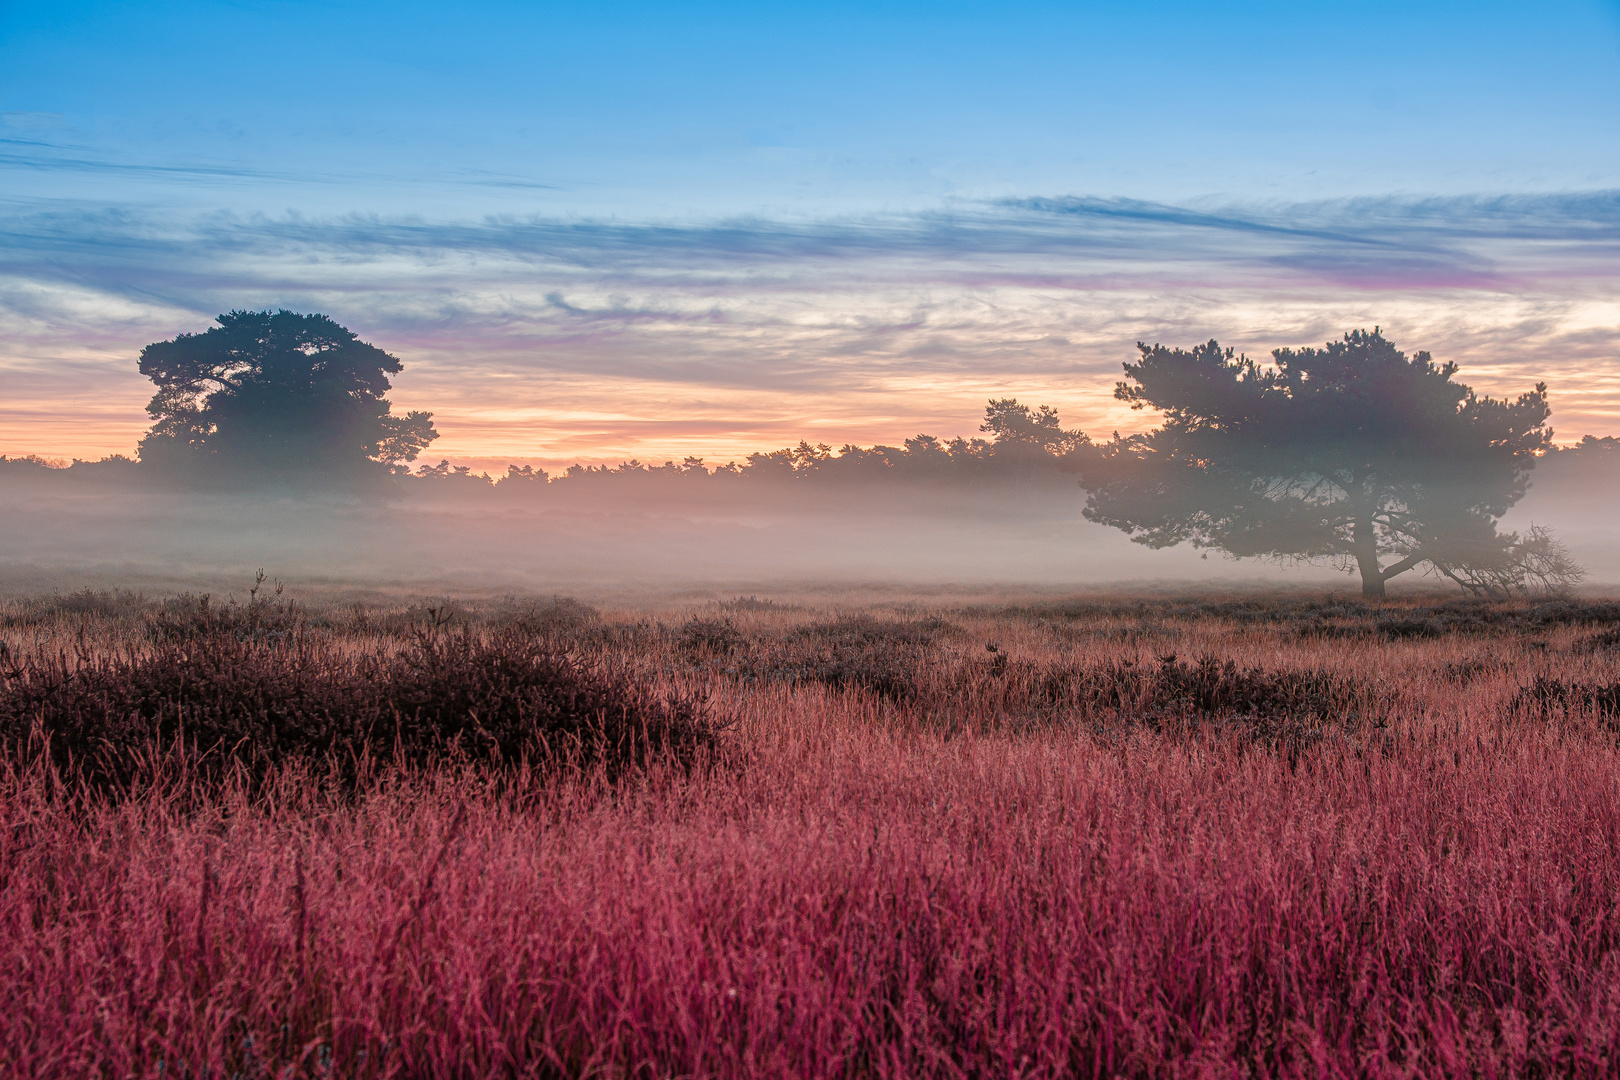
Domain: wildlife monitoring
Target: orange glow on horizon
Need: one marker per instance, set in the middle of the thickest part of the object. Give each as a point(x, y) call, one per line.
point(841, 367)
point(72, 427)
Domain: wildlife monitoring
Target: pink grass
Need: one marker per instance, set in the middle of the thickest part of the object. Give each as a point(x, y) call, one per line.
point(1440, 902)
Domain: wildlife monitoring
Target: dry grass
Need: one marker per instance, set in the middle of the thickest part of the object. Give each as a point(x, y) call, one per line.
point(1114, 837)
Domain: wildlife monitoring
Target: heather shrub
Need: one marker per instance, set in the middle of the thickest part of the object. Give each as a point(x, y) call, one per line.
point(1175, 698)
point(1546, 696)
point(558, 615)
point(1465, 672)
point(86, 603)
point(751, 603)
point(1471, 616)
point(500, 696)
point(701, 637)
point(1327, 617)
point(887, 657)
point(1328, 629)
point(1254, 610)
point(429, 614)
point(507, 695)
point(1601, 642)
point(552, 616)
point(867, 631)
point(1462, 617)
point(1209, 687)
point(190, 617)
point(1138, 633)
point(1428, 623)
point(1574, 613)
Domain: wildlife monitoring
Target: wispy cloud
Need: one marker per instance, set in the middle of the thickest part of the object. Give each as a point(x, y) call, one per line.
point(1056, 243)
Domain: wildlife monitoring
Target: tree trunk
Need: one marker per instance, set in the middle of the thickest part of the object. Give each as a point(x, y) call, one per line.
point(1365, 545)
point(1372, 579)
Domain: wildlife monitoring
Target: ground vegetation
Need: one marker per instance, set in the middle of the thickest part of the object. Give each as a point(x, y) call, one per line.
point(1249, 835)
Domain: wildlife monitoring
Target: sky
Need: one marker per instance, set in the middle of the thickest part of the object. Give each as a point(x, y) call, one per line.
point(603, 231)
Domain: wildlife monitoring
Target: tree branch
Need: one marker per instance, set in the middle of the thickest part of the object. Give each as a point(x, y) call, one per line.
point(1401, 567)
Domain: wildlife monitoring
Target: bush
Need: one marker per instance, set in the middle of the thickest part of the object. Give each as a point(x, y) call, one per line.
point(559, 615)
point(496, 697)
point(709, 637)
point(86, 603)
point(1210, 688)
point(887, 657)
point(1338, 618)
point(1465, 672)
point(751, 603)
point(1246, 611)
point(1601, 642)
point(1574, 613)
point(188, 617)
point(1544, 696)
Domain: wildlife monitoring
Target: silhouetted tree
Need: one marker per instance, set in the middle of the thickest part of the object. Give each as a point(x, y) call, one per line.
point(1029, 441)
point(276, 393)
point(1015, 425)
point(1351, 453)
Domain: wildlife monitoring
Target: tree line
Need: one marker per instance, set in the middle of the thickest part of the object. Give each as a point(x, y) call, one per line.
point(1354, 454)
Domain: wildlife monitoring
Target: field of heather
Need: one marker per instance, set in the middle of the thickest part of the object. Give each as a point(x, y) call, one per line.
point(1277, 835)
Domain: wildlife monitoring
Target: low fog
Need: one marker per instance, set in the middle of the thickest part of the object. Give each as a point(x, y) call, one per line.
point(602, 540)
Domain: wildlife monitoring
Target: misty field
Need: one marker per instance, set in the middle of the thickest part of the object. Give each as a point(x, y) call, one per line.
point(1219, 836)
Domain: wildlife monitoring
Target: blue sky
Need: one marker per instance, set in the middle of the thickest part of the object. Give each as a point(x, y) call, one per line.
point(459, 181)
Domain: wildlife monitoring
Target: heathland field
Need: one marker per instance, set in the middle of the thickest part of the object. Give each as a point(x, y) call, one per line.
point(1105, 836)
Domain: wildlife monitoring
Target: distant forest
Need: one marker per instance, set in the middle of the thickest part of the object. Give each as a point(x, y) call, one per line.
point(924, 460)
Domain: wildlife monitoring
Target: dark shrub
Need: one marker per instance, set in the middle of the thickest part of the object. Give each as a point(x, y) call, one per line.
point(1574, 613)
point(709, 637)
point(559, 615)
point(750, 603)
point(1600, 642)
point(84, 604)
point(1474, 617)
point(1210, 688)
point(865, 631)
point(189, 617)
point(887, 657)
point(1414, 628)
point(1333, 630)
point(1248, 611)
point(1544, 696)
point(1484, 617)
point(1464, 672)
point(507, 695)
point(497, 697)
point(1452, 617)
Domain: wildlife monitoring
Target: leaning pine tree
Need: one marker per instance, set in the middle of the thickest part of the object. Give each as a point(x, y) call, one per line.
point(1352, 454)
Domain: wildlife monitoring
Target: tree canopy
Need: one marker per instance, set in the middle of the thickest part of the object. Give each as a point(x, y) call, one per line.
point(276, 393)
point(1352, 453)
point(1025, 442)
